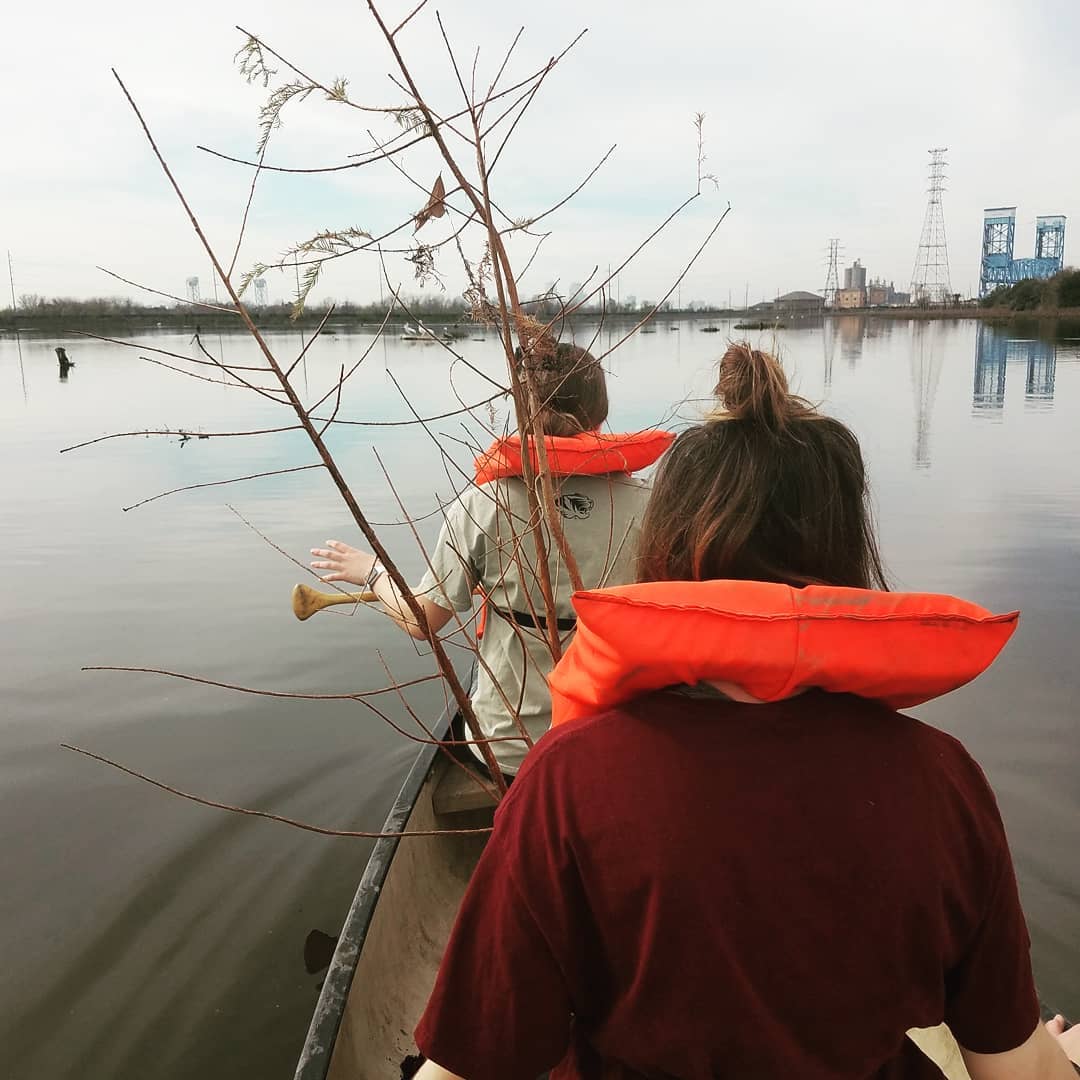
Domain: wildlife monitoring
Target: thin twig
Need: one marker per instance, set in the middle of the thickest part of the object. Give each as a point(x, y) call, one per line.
point(337, 403)
point(222, 366)
point(384, 153)
point(215, 805)
point(266, 391)
point(499, 74)
point(314, 82)
point(220, 483)
point(363, 357)
point(183, 432)
point(674, 285)
point(161, 352)
point(310, 341)
point(168, 296)
point(562, 202)
point(247, 208)
point(408, 18)
point(356, 696)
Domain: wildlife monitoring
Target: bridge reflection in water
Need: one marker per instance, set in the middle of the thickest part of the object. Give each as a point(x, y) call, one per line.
point(994, 352)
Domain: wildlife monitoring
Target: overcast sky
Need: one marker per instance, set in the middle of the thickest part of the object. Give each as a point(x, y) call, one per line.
point(818, 122)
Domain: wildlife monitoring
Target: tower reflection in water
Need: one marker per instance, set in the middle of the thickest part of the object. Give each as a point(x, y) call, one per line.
point(924, 352)
point(994, 352)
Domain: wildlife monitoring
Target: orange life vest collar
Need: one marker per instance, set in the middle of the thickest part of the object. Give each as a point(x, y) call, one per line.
point(588, 454)
point(773, 641)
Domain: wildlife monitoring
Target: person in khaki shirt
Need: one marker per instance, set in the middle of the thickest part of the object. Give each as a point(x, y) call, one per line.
point(485, 548)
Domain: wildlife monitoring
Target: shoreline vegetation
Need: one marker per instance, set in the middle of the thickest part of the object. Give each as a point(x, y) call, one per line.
point(1056, 297)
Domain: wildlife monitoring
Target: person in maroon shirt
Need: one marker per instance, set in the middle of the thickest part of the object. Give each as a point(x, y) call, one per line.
point(696, 884)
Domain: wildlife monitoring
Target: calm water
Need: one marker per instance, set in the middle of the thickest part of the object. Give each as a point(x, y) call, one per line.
point(147, 936)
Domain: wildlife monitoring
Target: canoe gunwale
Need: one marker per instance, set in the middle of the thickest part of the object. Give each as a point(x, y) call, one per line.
point(322, 1033)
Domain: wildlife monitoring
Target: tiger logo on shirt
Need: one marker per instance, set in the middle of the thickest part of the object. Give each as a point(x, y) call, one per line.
point(573, 504)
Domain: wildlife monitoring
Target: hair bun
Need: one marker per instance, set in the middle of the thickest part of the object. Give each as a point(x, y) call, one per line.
point(569, 383)
point(752, 386)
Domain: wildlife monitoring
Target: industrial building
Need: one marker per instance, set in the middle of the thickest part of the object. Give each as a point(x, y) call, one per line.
point(855, 276)
point(856, 293)
point(998, 266)
point(792, 303)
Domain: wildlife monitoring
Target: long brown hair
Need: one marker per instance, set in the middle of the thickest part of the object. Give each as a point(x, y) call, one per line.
point(767, 489)
point(570, 384)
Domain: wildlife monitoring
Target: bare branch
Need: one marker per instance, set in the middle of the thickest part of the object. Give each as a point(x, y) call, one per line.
point(213, 804)
point(337, 402)
point(562, 202)
point(633, 255)
point(388, 148)
point(357, 696)
point(674, 285)
point(470, 105)
point(188, 433)
point(310, 341)
point(408, 18)
point(168, 296)
point(461, 697)
point(247, 210)
point(332, 92)
point(352, 370)
point(498, 75)
point(163, 352)
point(424, 419)
point(266, 391)
point(699, 125)
point(220, 483)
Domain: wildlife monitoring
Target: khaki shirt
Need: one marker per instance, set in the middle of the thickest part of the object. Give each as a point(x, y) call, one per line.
point(484, 542)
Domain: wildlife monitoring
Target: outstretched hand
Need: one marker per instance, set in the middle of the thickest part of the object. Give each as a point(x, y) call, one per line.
point(345, 563)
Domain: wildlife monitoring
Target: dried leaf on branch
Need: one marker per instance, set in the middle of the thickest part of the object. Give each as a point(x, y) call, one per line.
point(436, 205)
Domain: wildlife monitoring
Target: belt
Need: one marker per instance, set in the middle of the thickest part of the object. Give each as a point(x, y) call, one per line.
point(524, 618)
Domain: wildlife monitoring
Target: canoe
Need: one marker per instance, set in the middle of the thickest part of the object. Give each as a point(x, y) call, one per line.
point(395, 933)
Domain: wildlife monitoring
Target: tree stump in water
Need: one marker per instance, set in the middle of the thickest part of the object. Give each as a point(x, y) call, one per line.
point(65, 364)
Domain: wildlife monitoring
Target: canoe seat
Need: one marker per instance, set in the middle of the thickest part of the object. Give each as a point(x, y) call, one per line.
point(455, 791)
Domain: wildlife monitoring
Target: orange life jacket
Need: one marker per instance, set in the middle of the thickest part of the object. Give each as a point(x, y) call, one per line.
point(772, 641)
point(588, 454)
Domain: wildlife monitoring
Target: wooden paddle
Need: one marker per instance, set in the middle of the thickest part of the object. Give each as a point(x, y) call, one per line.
point(306, 600)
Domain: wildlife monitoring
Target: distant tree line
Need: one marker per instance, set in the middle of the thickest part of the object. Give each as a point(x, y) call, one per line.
point(40, 311)
point(1033, 294)
point(34, 310)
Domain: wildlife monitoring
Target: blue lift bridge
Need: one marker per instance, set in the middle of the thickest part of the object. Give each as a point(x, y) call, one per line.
point(998, 265)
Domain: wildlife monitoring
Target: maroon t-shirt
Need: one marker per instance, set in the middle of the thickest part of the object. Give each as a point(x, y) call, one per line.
point(694, 888)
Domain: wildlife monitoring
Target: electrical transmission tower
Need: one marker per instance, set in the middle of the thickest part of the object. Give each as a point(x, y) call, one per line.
point(832, 275)
point(930, 278)
point(193, 290)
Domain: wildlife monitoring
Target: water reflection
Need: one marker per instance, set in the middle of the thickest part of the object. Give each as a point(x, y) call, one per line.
point(994, 351)
point(22, 369)
point(828, 345)
point(988, 396)
point(1042, 366)
point(925, 354)
point(852, 330)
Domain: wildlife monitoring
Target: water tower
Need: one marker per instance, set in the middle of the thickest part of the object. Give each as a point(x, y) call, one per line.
point(193, 290)
point(260, 292)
